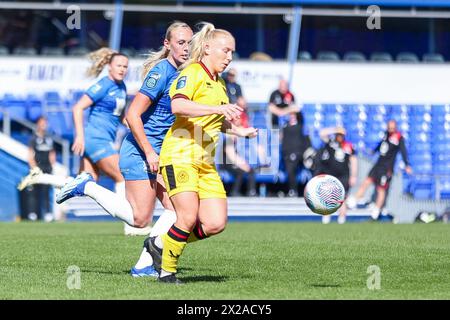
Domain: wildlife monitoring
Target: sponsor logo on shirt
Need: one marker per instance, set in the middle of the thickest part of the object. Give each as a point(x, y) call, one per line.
point(152, 80)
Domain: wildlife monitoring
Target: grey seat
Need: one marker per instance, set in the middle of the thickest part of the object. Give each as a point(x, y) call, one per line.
point(407, 57)
point(52, 51)
point(23, 51)
point(143, 53)
point(327, 56)
point(78, 51)
point(433, 58)
point(4, 51)
point(130, 52)
point(354, 56)
point(381, 57)
point(304, 56)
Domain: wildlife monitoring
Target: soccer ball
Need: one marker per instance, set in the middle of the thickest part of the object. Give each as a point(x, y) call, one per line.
point(324, 194)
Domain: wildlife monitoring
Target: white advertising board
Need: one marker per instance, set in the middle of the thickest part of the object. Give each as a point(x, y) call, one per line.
point(312, 82)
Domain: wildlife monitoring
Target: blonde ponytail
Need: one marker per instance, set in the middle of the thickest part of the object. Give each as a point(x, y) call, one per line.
point(156, 56)
point(99, 58)
point(197, 46)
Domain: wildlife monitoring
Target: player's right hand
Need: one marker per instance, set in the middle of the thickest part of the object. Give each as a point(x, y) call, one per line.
point(153, 162)
point(230, 111)
point(78, 146)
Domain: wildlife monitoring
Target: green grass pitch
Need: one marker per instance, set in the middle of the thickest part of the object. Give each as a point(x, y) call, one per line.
point(248, 261)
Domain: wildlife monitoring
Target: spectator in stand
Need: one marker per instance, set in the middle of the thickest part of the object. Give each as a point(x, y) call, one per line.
point(282, 102)
point(238, 166)
point(234, 93)
point(293, 149)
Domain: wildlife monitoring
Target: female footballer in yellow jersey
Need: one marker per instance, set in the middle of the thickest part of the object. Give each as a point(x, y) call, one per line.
point(200, 103)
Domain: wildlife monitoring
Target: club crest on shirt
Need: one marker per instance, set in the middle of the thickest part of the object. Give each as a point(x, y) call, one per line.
point(152, 80)
point(182, 176)
point(181, 83)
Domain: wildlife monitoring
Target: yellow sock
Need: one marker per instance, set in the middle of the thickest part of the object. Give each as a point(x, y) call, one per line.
point(174, 242)
point(197, 234)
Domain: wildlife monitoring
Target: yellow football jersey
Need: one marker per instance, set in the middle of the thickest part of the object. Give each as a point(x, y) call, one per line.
point(194, 140)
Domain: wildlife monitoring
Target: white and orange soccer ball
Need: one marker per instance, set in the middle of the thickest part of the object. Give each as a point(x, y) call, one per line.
point(324, 194)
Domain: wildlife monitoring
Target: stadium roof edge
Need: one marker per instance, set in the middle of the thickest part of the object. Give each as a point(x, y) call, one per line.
point(390, 3)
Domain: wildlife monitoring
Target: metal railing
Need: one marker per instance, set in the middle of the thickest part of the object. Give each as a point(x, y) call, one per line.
point(63, 143)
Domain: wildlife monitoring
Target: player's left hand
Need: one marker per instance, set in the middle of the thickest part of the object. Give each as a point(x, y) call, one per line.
point(153, 162)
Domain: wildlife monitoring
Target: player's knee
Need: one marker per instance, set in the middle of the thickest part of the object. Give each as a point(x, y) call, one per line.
point(186, 221)
point(214, 227)
point(141, 222)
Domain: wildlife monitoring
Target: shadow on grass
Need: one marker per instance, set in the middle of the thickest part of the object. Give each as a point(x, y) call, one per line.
point(111, 272)
point(127, 271)
point(324, 285)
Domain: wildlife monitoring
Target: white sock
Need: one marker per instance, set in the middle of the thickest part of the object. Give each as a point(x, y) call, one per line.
point(163, 224)
point(113, 203)
point(165, 221)
point(164, 273)
point(53, 180)
point(158, 241)
point(120, 189)
point(145, 260)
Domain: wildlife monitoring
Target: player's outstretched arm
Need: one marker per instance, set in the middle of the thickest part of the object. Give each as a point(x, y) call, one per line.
point(82, 104)
point(138, 106)
point(187, 108)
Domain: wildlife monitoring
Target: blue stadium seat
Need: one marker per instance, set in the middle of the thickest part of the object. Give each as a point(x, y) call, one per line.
point(442, 168)
point(54, 123)
point(441, 148)
point(439, 120)
point(420, 147)
point(425, 167)
point(421, 187)
point(418, 158)
point(440, 109)
point(418, 127)
point(420, 118)
point(308, 108)
point(444, 188)
point(52, 99)
point(15, 106)
point(441, 137)
point(329, 108)
point(226, 176)
point(420, 108)
point(34, 107)
point(76, 95)
point(259, 119)
point(419, 138)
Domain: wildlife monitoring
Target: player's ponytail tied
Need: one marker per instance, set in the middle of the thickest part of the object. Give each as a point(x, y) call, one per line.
point(99, 59)
point(197, 47)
